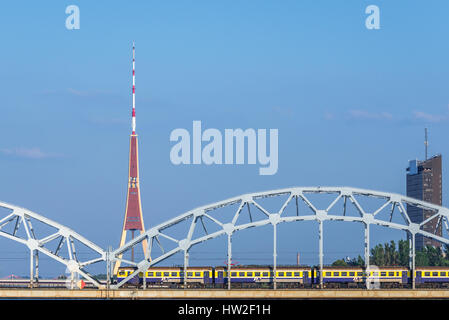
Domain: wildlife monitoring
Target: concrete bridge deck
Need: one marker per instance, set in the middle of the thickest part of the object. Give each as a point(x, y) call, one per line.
point(221, 294)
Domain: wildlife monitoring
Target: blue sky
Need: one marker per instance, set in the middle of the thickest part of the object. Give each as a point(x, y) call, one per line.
point(350, 103)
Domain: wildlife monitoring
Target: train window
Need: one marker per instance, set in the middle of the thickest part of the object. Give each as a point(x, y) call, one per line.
point(435, 274)
point(328, 274)
point(383, 274)
point(166, 274)
point(174, 274)
point(443, 274)
point(158, 274)
point(150, 274)
point(181, 274)
point(189, 274)
point(336, 274)
point(257, 274)
point(280, 274)
point(241, 274)
point(233, 274)
point(391, 274)
point(288, 274)
point(197, 274)
point(249, 274)
point(265, 274)
point(344, 274)
point(296, 274)
point(359, 274)
point(351, 274)
point(427, 274)
point(375, 274)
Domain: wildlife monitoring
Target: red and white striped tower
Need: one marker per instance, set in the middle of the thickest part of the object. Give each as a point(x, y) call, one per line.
point(133, 214)
point(134, 91)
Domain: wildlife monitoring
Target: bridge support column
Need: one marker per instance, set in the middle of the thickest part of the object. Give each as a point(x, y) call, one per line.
point(229, 261)
point(108, 269)
point(186, 262)
point(36, 268)
point(412, 253)
point(274, 257)
point(31, 268)
point(321, 252)
point(367, 255)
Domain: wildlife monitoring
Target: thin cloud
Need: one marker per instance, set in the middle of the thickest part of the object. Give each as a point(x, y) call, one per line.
point(284, 111)
point(78, 92)
point(434, 118)
point(29, 153)
point(367, 115)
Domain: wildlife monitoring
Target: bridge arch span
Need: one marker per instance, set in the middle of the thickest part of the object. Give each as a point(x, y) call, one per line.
point(395, 204)
point(42, 235)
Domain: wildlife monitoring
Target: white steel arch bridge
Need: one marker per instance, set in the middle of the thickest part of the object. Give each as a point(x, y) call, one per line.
point(342, 200)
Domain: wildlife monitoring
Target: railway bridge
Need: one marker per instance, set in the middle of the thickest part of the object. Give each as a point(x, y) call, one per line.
point(293, 200)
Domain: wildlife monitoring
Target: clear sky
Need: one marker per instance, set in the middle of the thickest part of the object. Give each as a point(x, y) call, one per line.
point(350, 104)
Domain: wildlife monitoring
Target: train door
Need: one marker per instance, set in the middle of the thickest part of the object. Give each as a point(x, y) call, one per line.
point(220, 278)
point(305, 277)
point(404, 277)
point(206, 278)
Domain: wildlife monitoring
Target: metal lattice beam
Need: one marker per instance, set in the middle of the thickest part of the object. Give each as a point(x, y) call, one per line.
point(299, 194)
point(21, 218)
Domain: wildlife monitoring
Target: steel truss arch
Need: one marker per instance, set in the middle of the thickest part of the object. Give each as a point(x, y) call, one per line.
point(391, 201)
point(21, 219)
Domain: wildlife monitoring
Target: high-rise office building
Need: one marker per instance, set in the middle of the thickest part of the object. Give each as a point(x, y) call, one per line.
point(424, 182)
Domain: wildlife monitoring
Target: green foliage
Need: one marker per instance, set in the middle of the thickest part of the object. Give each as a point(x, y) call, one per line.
point(390, 255)
point(339, 263)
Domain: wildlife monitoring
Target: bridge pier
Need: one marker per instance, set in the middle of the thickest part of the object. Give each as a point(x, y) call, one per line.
point(31, 268)
point(321, 251)
point(186, 261)
point(367, 254)
point(229, 261)
point(412, 257)
point(274, 256)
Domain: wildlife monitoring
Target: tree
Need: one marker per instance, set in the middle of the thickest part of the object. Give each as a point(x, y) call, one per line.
point(404, 254)
point(357, 261)
point(339, 263)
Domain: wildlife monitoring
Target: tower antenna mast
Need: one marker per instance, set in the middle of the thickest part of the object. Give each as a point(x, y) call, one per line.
point(426, 142)
point(133, 214)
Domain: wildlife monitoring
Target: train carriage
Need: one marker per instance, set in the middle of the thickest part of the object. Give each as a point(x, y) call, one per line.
point(196, 276)
point(290, 277)
point(357, 276)
point(263, 275)
point(432, 277)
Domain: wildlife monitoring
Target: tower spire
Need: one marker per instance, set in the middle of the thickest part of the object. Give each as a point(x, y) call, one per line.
point(133, 214)
point(426, 142)
point(134, 90)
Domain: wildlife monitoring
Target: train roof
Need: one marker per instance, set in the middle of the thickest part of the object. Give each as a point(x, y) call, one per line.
point(360, 267)
point(170, 268)
point(264, 267)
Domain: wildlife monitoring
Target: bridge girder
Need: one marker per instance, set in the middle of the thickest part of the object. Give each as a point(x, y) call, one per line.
point(20, 222)
point(20, 217)
point(396, 203)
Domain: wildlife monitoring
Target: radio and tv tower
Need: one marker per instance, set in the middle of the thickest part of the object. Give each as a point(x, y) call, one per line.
point(133, 214)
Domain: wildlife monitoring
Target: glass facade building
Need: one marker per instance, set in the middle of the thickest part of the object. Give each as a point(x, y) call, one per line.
point(424, 182)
